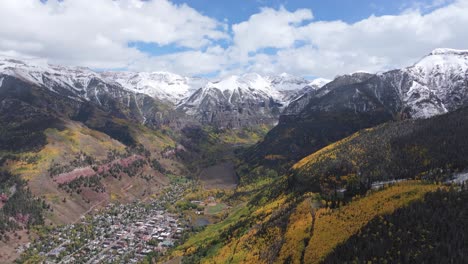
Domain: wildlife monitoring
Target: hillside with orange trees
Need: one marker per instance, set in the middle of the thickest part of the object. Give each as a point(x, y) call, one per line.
point(430, 149)
point(294, 229)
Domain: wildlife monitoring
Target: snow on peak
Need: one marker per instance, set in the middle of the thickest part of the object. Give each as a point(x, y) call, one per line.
point(437, 82)
point(247, 83)
point(319, 82)
point(166, 86)
point(446, 61)
point(229, 83)
point(287, 82)
point(163, 85)
point(40, 73)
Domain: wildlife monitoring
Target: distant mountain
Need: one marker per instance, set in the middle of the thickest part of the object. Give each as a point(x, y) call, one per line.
point(162, 85)
point(288, 82)
point(237, 101)
point(234, 101)
point(71, 93)
point(319, 82)
point(437, 84)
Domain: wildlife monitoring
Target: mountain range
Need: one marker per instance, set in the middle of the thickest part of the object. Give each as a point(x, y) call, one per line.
point(234, 101)
point(435, 85)
point(73, 139)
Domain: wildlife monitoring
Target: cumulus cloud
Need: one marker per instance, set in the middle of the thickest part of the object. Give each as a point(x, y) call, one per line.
point(269, 29)
point(98, 33)
point(188, 62)
point(374, 44)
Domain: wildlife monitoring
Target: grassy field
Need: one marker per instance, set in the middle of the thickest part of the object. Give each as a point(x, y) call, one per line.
point(215, 209)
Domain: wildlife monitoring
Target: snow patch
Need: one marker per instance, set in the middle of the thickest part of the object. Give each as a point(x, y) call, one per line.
point(459, 178)
point(319, 82)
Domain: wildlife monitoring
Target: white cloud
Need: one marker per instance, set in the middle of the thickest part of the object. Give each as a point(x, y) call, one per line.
point(188, 62)
point(269, 29)
point(97, 33)
point(373, 44)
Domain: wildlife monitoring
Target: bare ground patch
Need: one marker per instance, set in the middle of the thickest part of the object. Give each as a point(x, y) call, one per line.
point(219, 176)
point(9, 250)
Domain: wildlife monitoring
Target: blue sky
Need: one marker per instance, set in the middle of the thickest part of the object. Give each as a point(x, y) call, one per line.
point(216, 38)
point(347, 10)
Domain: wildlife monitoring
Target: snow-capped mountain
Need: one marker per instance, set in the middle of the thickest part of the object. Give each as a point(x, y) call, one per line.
point(243, 100)
point(287, 82)
point(162, 85)
point(319, 82)
point(434, 85)
point(437, 83)
point(79, 87)
point(75, 82)
point(235, 101)
point(235, 96)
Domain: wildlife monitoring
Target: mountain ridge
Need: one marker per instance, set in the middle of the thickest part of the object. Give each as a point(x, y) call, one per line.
point(435, 85)
point(262, 97)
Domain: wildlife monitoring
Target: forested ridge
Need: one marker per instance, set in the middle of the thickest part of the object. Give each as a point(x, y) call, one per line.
point(430, 149)
point(18, 207)
point(433, 230)
point(299, 216)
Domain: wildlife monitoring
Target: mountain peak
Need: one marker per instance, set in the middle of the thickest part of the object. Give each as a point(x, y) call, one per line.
point(444, 60)
point(319, 82)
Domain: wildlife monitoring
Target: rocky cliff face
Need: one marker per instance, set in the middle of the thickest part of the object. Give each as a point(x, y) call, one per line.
point(434, 85)
point(235, 101)
point(160, 98)
point(84, 91)
point(437, 84)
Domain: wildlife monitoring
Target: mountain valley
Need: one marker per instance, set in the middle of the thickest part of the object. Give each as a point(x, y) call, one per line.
point(258, 169)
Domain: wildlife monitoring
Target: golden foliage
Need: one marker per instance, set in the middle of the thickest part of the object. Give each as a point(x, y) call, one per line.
point(333, 227)
point(328, 152)
point(299, 228)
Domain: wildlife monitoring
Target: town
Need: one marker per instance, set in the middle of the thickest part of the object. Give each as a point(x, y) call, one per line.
point(116, 234)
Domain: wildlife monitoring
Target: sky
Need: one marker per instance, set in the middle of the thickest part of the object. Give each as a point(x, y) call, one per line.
point(213, 38)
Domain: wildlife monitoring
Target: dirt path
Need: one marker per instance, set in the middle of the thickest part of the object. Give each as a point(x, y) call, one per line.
point(89, 210)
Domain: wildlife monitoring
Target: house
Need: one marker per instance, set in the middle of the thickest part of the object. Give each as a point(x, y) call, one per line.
point(56, 252)
point(167, 243)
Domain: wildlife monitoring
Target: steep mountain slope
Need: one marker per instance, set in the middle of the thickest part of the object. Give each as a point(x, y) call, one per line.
point(57, 125)
point(431, 149)
point(403, 237)
point(77, 88)
point(318, 89)
point(335, 111)
point(162, 85)
point(236, 101)
point(301, 217)
point(435, 85)
point(232, 102)
point(289, 82)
